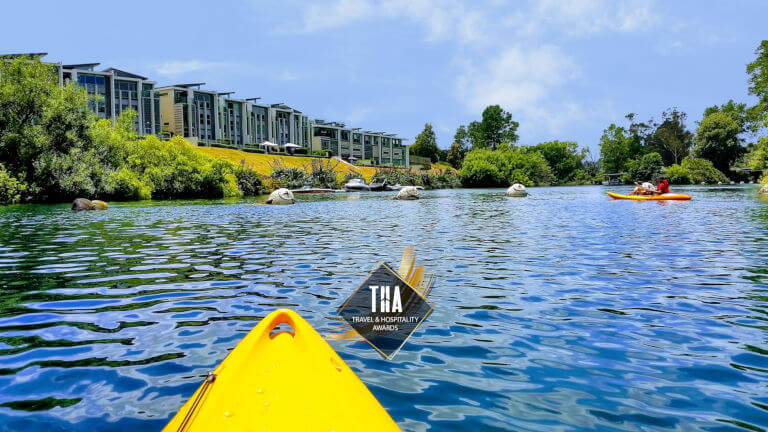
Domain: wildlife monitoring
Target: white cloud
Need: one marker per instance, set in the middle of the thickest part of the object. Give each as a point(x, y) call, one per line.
point(183, 67)
point(593, 16)
point(517, 79)
point(440, 19)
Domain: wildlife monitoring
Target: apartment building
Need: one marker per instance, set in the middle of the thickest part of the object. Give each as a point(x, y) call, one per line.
point(113, 91)
point(206, 117)
point(377, 148)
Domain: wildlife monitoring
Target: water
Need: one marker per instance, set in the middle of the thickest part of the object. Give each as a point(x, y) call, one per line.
point(561, 311)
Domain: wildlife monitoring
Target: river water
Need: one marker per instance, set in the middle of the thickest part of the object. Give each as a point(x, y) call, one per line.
point(565, 310)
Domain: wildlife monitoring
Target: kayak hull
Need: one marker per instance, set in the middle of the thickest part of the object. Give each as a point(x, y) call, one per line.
point(662, 197)
point(282, 381)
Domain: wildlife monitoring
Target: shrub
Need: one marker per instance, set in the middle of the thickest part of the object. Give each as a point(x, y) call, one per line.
point(125, 184)
point(676, 174)
point(288, 177)
point(702, 170)
point(322, 174)
point(10, 188)
point(645, 168)
point(248, 181)
point(503, 167)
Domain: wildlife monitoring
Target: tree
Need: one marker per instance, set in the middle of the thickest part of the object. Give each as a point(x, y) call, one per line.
point(717, 140)
point(671, 139)
point(495, 128)
point(758, 85)
point(736, 110)
point(646, 168)
point(563, 157)
point(426, 144)
point(459, 147)
point(617, 147)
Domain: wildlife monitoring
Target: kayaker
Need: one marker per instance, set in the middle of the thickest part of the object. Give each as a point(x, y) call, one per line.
point(643, 189)
point(662, 187)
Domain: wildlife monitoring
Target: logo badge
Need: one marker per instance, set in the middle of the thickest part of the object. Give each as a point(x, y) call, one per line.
point(385, 309)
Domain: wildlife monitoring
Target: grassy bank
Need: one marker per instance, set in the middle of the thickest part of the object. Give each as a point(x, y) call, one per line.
point(264, 163)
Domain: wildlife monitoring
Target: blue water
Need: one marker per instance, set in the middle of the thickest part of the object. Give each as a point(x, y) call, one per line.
point(561, 311)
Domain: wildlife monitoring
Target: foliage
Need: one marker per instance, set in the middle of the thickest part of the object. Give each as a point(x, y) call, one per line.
point(10, 188)
point(717, 140)
point(671, 138)
point(758, 85)
point(503, 167)
point(495, 128)
point(676, 174)
point(758, 157)
point(694, 171)
point(288, 177)
point(433, 179)
point(738, 111)
point(645, 168)
point(425, 144)
point(617, 147)
point(248, 181)
point(563, 157)
point(459, 147)
point(322, 174)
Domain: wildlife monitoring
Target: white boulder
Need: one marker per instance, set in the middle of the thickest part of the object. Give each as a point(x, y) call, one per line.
point(408, 193)
point(281, 196)
point(516, 190)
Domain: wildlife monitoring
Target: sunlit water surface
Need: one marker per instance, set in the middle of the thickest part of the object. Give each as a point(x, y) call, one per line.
point(564, 310)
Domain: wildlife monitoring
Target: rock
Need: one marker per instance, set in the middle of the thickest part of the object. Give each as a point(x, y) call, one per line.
point(516, 190)
point(98, 205)
point(281, 196)
point(408, 193)
point(82, 204)
point(764, 190)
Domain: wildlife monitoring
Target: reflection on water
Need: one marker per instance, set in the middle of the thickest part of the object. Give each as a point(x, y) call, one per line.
point(561, 311)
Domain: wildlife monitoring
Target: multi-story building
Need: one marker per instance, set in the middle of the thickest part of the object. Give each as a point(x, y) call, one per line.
point(207, 117)
point(188, 111)
point(378, 148)
point(113, 91)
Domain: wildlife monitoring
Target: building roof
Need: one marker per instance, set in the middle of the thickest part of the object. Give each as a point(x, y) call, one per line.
point(187, 85)
point(88, 66)
point(122, 73)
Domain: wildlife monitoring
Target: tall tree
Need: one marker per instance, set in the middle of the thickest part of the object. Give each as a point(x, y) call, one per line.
point(758, 85)
point(495, 128)
point(717, 140)
point(459, 147)
point(671, 138)
point(564, 157)
point(426, 144)
point(617, 147)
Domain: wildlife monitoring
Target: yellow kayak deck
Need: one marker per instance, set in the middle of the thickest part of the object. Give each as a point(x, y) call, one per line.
point(282, 381)
point(662, 197)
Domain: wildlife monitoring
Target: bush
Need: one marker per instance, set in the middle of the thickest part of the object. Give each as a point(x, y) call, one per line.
point(676, 174)
point(702, 170)
point(503, 167)
point(694, 171)
point(300, 151)
point(248, 181)
point(10, 188)
point(322, 174)
point(645, 168)
point(291, 178)
point(126, 184)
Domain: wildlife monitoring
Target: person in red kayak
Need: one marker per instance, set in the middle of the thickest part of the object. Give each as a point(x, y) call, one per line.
point(662, 187)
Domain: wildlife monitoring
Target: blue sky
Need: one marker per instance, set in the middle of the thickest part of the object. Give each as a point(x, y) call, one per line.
point(565, 70)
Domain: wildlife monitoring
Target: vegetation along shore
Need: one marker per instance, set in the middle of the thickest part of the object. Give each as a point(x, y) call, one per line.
point(54, 148)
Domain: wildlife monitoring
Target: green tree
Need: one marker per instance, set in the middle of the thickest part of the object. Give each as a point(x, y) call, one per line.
point(426, 144)
point(758, 85)
point(671, 138)
point(645, 168)
point(617, 147)
point(717, 140)
point(738, 111)
point(563, 157)
point(459, 147)
point(495, 128)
